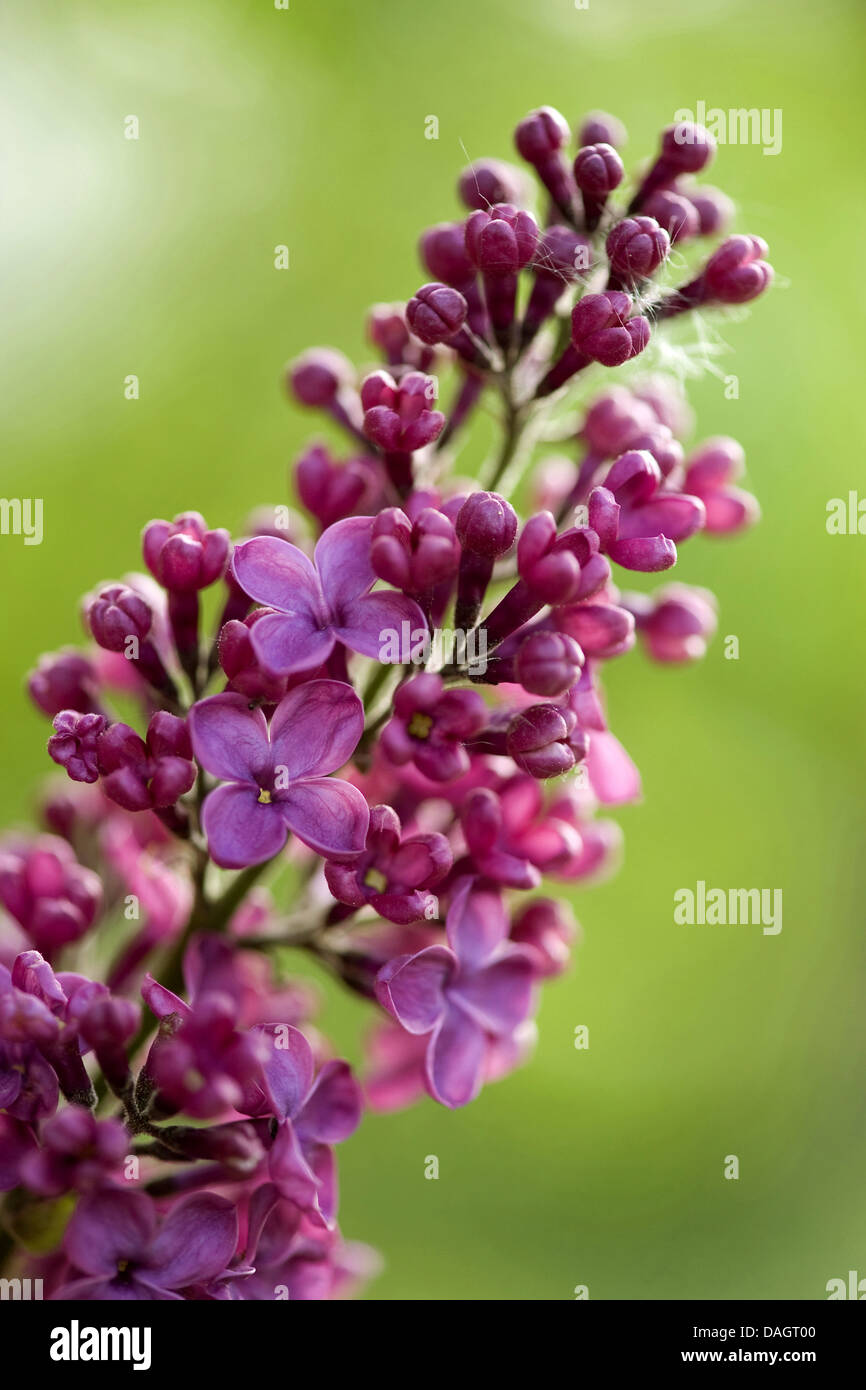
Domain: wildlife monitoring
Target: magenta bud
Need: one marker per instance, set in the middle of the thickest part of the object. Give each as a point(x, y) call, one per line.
point(678, 623)
point(602, 331)
point(317, 376)
point(486, 525)
point(490, 181)
point(63, 680)
point(545, 741)
point(598, 170)
point(674, 213)
point(600, 128)
point(400, 418)
point(714, 208)
point(116, 614)
point(436, 312)
point(183, 554)
point(687, 147)
point(330, 490)
point(561, 254)
point(737, 272)
point(443, 252)
point(501, 241)
point(415, 556)
point(73, 744)
point(386, 329)
point(541, 134)
point(548, 663)
point(636, 248)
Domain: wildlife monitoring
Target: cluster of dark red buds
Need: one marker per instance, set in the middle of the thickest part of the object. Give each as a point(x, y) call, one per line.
point(397, 702)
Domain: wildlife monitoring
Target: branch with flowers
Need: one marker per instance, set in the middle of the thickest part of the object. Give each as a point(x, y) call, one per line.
point(168, 1110)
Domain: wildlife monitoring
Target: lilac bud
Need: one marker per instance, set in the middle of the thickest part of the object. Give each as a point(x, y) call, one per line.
point(635, 248)
point(714, 208)
point(598, 170)
point(436, 312)
point(63, 680)
point(602, 630)
point(613, 420)
point(490, 181)
point(400, 417)
point(548, 663)
point(183, 554)
point(330, 490)
point(675, 213)
point(73, 744)
point(107, 1024)
point(386, 329)
point(486, 525)
point(414, 557)
point(545, 741)
point(443, 252)
point(737, 272)
point(317, 376)
point(599, 128)
point(561, 255)
point(550, 572)
point(501, 241)
point(539, 139)
point(676, 623)
point(686, 149)
point(602, 331)
point(116, 614)
point(545, 927)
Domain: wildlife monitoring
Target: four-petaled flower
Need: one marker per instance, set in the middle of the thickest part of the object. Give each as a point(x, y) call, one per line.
point(318, 605)
point(468, 996)
point(276, 777)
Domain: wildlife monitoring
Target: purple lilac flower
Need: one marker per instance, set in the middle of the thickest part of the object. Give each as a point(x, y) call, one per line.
point(275, 776)
point(394, 873)
point(313, 1114)
point(119, 1250)
point(476, 989)
point(317, 605)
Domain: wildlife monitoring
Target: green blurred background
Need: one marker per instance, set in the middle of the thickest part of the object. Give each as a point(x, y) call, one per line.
point(155, 257)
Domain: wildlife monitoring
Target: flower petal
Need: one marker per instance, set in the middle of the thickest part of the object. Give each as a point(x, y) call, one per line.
point(332, 1111)
point(476, 924)
point(240, 829)
point(455, 1060)
point(612, 774)
point(329, 815)
point(373, 624)
point(111, 1226)
point(343, 561)
point(288, 1073)
point(316, 728)
point(278, 574)
point(197, 1240)
point(499, 997)
point(412, 987)
point(229, 739)
point(286, 643)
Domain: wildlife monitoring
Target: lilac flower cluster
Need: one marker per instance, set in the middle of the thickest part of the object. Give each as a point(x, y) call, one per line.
point(165, 1097)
